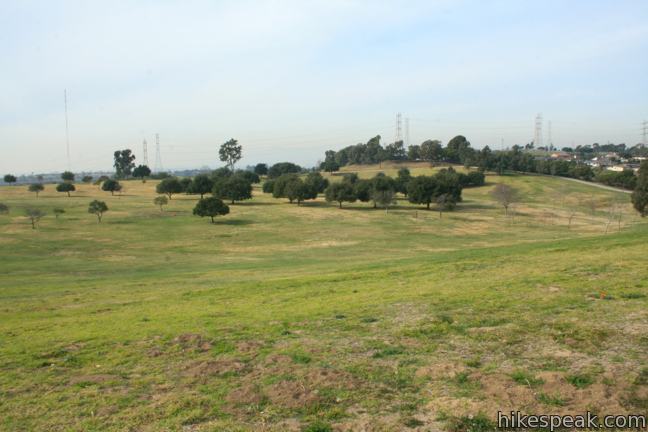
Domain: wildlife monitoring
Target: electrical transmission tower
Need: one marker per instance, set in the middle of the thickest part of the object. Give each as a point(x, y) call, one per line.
point(399, 128)
point(644, 129)
point(549, 140)
point(537, 135)
point(67, 130)
point(145, 152)
point(158, 157)
point(407, 132)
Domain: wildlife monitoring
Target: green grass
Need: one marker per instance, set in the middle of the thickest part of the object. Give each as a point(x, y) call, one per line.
point(277, 312)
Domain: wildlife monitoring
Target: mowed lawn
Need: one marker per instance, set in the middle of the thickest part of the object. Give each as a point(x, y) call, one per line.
point(279, 316)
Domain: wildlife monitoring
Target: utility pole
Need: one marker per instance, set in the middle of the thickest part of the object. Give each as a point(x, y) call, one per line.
point(158, 157)
point(145, 153)
point(399, 128)
point(407, 132)
point(537, 134)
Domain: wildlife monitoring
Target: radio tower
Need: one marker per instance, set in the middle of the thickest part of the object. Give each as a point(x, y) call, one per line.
point(158, 158)
point(407, 132)
point(399, 128)
point(537, 135)
point(145, 153)
point(67, 130)
point(644, 128)
point(549, 141)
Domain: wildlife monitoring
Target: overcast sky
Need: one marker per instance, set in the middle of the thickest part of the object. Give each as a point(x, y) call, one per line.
point(290, 79)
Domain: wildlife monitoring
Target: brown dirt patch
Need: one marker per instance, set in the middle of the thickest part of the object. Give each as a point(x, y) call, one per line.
point(291, 394)
point(193, 342)
point(205, 369)
point(95, 378)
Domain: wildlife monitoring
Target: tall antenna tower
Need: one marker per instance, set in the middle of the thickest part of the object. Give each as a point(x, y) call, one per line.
point(158, 158)
point(644, 128)
point(67, 130)
point(549, 140)
point(145, 152)
point(407, 132)
point(537, 135)
point(399, 128)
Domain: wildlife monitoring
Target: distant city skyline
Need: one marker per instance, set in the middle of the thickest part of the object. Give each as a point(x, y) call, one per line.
point(290, 80)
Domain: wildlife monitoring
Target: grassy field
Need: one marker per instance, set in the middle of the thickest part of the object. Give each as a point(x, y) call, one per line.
point(280, 316)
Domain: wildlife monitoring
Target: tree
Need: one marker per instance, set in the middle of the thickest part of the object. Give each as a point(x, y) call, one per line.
point(362, 190)
point(281, 168)
point(123, 163)
point(315, 184)
point(211, 207)
point(201, 185)
point(296, 190)
point(8, 178)
point(101, 179)
point(234, 188)
point(383, 190)
point(505, 195)
point(431, 150)
point(446, 201)
point(230, 152)
point(221, 172)
point(169, 186)
point(142, 171)
point(65, 187)
point(249, 176)
point(4, 208)
point(330, 164)
point(422, 190)
point(36, 187)
point(67, 176)
point(340, 192)
point(261, 169)
point(161, 201)
point(87, 179)
point(185, 182)
point(279, 185)
point(402, 179)
point(97, 208)
point(34, 215)
point(414, 152)
point(111, 185)
point(640, 194)
point(58, 211)
point(268, 186)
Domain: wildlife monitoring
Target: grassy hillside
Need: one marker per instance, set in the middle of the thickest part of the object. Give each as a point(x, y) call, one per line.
point(280, 315)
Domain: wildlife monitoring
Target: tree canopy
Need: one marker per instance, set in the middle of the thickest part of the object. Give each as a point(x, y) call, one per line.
point(8, 178)
point(34, 215)
point(282, 168)
point(36, 187)
point(233, 188)
point(65, 187)
point(98, 208)
point(141, 171)
point(169, 186)
point(210, 207)
point(201, 184)
point(230, 152)
point(111, 185)
point(340, 192)
point(640, 194)
point(160, 201)
point(261, 169)
point(123, 163)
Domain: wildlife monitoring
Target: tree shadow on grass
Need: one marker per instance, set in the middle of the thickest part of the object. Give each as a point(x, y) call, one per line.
point(233, 222)
point(254, 203)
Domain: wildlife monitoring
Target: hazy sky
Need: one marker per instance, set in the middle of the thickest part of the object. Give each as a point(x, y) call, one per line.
point(290, 79)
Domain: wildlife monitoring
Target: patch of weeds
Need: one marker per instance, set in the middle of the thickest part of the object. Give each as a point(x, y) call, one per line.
point(389, 351)
point(633, 295)
point(465, 385)
point(478, 423)
point(318, 426)
point(579, 381)
point(413, 422)
point(368, 320)
point(340, 316)
point(525, 378)
point(445, 318)
point(300, 358)
point(642, 378)
point(222, 347)
point(474, 362)
point(553, 400)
